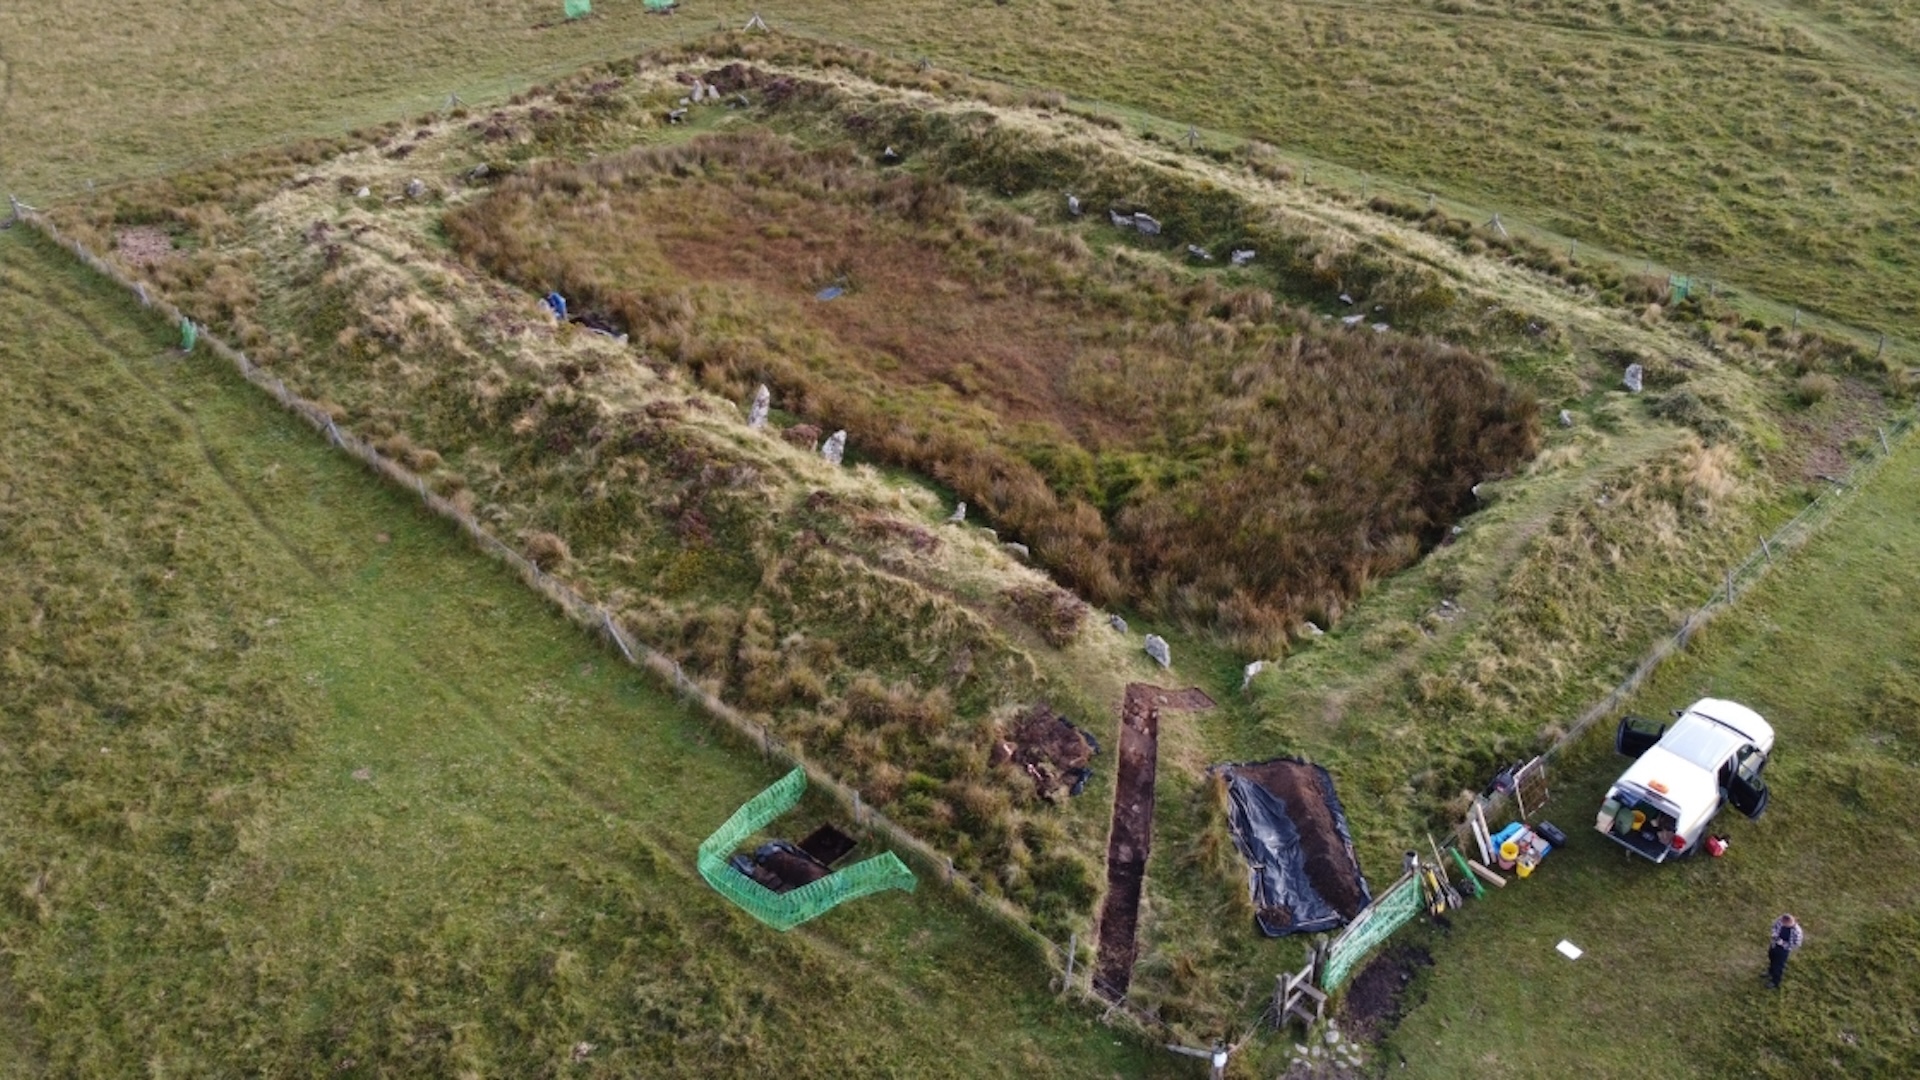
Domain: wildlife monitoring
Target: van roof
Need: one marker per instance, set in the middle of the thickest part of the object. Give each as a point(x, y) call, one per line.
point(1688, 785)
point(1738, 717)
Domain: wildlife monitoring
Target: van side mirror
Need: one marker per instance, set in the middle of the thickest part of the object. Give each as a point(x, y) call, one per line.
point(1678, 713)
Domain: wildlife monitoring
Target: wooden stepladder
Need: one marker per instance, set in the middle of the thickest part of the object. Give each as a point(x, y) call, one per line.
point(1296, 998)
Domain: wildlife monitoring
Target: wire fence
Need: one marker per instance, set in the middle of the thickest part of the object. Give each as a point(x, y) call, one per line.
point(1744, 575)
point(1070, 963)
point(1071, 969)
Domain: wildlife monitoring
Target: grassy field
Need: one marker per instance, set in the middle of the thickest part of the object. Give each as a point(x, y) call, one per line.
point(1757, 144)
point(1671, 981)
point(294, 781)
point(738, 553)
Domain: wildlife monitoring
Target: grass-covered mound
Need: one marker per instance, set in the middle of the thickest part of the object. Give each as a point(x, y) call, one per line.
point(1104, 411)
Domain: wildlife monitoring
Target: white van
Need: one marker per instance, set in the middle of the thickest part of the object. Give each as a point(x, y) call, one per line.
point(1712, 754)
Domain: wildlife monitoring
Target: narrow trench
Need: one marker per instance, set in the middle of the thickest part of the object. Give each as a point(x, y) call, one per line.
point(1131, 838)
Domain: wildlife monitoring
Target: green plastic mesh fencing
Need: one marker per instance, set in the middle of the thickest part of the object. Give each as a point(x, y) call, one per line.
point(189, 333)
point(1392, 910)
point(578, 8)
point(784, 911)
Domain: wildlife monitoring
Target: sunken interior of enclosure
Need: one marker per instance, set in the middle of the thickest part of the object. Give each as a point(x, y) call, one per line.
point(1169, 438)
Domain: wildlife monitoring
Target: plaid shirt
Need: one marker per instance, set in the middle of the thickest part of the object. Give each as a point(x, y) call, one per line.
point(1787, 937)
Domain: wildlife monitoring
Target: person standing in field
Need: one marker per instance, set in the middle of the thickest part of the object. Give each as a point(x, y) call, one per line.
point(1786, 938)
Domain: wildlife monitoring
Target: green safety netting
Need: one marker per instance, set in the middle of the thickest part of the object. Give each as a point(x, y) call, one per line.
point(189, 334)
point(579, 8)
point(659, 5)
point(1388, 912)
point(784, 911)
point(1680, 286)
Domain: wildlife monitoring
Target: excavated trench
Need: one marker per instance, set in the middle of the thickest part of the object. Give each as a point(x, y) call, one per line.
point(1131, 838)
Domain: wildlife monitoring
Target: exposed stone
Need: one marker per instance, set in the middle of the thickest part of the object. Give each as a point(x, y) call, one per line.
point(1566, 418)
point(1118, 623)
point(416, 188)
point(1073, 204)
point(1635, 378)
point(1308, 629)
point(1242, 257)
point(1147, 225)
point(1200, 253)
point(1018, 549)
point(959, 514)
point(1120, 220)
point(1255, 668)
point(835, 447)
point(762, 401)
point(1157, 648)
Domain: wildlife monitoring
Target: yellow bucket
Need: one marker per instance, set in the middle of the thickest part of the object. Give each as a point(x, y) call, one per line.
point(1639, 819)
point(1509, 851)
point(1524, 868)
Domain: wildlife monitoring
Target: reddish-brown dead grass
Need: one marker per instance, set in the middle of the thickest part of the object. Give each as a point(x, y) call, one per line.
point(1154, 437)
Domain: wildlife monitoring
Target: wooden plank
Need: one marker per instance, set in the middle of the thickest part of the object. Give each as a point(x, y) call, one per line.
point(1487, 875)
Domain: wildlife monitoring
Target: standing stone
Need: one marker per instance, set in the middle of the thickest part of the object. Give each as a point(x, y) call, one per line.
point(1157, 648)
point(762, 401)
point(1566, 418)
point(1246, 677)
point(1636, 377)
point(1073, 204)
point(1119, 624)
point(835, 448)
point(958, 516)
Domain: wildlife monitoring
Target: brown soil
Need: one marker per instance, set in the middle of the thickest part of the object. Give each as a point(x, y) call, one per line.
point(1047, 748)
point(1330, 862)
point(1132, 835)
point(143, 245)
point(1376, 999)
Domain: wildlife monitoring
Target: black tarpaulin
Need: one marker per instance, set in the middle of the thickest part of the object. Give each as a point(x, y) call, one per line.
point(1290, 827)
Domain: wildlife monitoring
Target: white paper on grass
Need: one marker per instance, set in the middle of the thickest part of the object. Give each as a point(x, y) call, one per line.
point(1569, 950)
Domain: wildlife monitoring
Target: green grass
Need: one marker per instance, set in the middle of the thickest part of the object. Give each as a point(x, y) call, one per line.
point(1758, 143)
point(1755, 143)
point(291, 781)
point(354, 304)
point(1671, 982)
